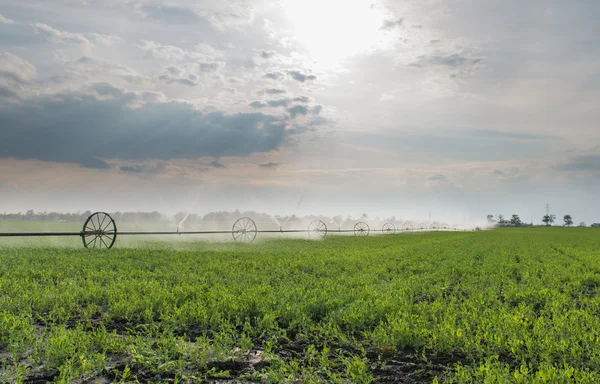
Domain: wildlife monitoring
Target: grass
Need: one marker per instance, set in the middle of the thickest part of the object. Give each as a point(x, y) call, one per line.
point(510, 305)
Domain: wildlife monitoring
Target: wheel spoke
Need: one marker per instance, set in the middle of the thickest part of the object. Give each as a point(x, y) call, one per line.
point(102, 224)
point(108, 225)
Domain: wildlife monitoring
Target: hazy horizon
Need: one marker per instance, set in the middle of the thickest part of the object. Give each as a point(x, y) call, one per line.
point(459, 108)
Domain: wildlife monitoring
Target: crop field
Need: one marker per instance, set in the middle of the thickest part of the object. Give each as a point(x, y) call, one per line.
point(509, 305)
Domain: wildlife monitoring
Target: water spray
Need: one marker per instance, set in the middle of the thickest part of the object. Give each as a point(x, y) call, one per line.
point(100, 231)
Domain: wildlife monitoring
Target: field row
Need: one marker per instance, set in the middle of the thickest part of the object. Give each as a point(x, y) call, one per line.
point(505, 305)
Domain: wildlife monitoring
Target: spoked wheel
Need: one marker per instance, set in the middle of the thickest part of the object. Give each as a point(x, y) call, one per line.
point(99, 231)
point(388, 229)
point(407, 227)
point(361, 229)
point(317, 229)
point(244, 230)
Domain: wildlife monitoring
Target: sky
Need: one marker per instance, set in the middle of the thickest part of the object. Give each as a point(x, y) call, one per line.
point(461, 108)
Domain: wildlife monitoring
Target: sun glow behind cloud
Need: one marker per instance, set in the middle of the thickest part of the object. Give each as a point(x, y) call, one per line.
point(332, 30)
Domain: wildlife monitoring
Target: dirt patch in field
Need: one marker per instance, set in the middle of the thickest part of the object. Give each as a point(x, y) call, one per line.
point(407, 367)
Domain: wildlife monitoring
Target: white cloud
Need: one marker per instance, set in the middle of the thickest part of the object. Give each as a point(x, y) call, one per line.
point(13, 67)
point(57, 36)
point(4, 20)
point(16, 76)
point(201, 52)
point(105, 40)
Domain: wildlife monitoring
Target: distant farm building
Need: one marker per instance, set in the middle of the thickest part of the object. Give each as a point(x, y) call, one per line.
point(596, 225)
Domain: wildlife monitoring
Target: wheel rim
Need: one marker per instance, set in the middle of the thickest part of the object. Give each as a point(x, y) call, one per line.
point(244, 230)
point(361, 229)
point(388, 229)
point(99, 231)
point(317, 229)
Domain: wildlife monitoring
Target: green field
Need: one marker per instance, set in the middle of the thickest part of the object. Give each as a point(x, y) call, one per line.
point(510, 305)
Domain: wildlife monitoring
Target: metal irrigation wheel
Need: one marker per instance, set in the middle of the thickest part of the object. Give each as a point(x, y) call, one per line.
point(99, 231)
point(317, 229)
point(407, 227)
point(244, 230)
point(388, 229)
point(361, 229)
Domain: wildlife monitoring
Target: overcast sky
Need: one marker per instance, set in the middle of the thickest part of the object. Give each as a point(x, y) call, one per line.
point(461, 107)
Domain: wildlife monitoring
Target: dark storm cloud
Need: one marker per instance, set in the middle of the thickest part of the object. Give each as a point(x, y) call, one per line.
point(279, 103)
point(12, 76)
point(143, 168)
point(438, 177)
point(274, 75)
point(301, 99)
point(319, 120)
point(216, 164)
point(7, 93)
point(258, 104)
point(267, 54)
point(286, 102)
point(453, 60)
point(274, 91)
point(81, 129)
point(131, 169)
point(583, 163)
point(297, 110)
point(211, 67)
point(190, 80)
point(299, 76)
point(392, 24)
point(270, 165)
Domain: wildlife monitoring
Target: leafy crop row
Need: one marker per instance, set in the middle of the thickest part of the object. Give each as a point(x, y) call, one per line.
point(518, 305)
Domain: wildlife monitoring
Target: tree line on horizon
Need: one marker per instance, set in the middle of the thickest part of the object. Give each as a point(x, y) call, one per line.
point(515, 221)
point(180, 217)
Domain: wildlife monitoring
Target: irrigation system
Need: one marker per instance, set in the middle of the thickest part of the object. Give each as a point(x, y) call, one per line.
point(100, 231)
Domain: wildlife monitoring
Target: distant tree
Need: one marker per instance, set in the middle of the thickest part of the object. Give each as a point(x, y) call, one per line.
point(568, 219)
point(515, 220)
point(548, 219)
point(582, 224)
point(501, 219)
point(490, 219)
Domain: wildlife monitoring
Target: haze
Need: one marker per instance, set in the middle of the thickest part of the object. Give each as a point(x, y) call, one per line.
point(461, 107)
